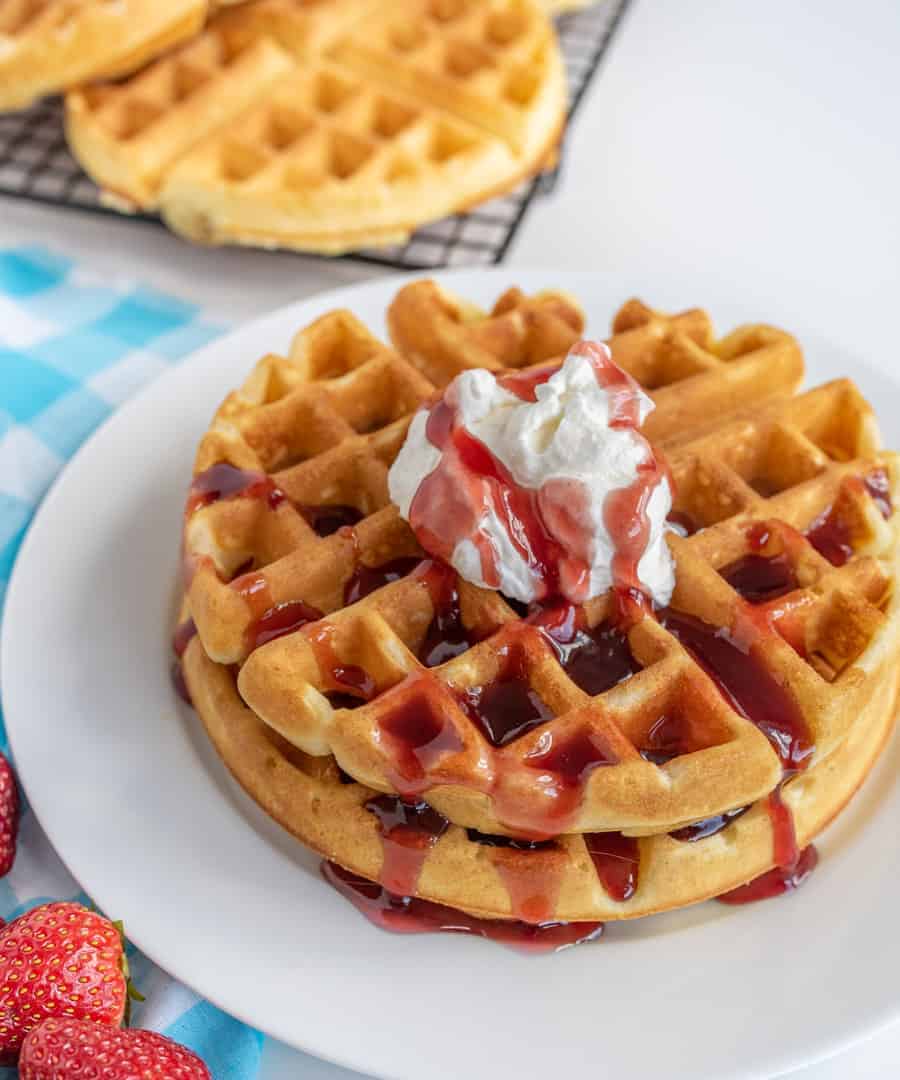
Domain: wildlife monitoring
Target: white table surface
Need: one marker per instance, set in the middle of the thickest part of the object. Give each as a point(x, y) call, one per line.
point(756, 139)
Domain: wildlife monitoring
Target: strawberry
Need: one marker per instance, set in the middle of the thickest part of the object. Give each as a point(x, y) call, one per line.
point(59, 960)
point(61, 1049)
point(9, 816)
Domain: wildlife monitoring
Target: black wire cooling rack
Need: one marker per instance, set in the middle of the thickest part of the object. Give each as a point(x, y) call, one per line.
point(35, 164)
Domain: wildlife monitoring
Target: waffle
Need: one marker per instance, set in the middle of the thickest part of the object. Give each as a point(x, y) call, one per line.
point(275, 128)
point(128, 134)
point(495, 65)
point(308, 796)
point(49, 45)
point(132, 136)
point(366, 173)
point(322, 426)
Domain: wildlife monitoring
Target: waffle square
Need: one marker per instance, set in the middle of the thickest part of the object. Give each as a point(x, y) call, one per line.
point(273, 129)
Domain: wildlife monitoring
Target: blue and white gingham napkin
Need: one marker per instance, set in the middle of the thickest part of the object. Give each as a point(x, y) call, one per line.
point(72, 348)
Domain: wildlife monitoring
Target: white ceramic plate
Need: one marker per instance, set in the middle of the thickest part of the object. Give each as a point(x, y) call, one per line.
point(127, 787)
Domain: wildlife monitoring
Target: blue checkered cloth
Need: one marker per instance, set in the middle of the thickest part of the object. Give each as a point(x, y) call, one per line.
point(72, 348)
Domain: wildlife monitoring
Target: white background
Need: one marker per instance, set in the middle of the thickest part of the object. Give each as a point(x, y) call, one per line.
point(756, 141)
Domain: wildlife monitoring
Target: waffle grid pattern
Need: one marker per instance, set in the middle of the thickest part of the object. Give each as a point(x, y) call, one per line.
point(360, 695)
point(782, 447)
point(35, 165)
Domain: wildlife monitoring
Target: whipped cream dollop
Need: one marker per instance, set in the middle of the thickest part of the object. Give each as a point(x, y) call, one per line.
point(539, 483)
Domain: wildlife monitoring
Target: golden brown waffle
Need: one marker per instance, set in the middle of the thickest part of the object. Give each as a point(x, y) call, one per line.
point(325, 423)
point(49, 45)
point(496, 65)
point(270, 129)
point(769, 477)
point(319, 419)
point(308, 796)
point(130, 132)
point(332, 162)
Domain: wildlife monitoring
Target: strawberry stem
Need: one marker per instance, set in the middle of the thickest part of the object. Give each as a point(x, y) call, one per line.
point(132, 992)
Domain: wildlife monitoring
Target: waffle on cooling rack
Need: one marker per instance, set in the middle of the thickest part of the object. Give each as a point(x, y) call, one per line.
point(49, 45)
point(549, 764)
point(331, 126)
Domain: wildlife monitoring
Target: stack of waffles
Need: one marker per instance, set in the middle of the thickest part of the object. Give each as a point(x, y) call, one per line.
point(320, 125)
point(439, 742)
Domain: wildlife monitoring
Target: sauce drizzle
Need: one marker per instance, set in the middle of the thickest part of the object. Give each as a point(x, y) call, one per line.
point(543, 525)
point(410, 915)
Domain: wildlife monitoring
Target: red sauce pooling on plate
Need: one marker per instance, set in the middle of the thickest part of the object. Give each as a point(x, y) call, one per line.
point(776, 881)
point(409, 915)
